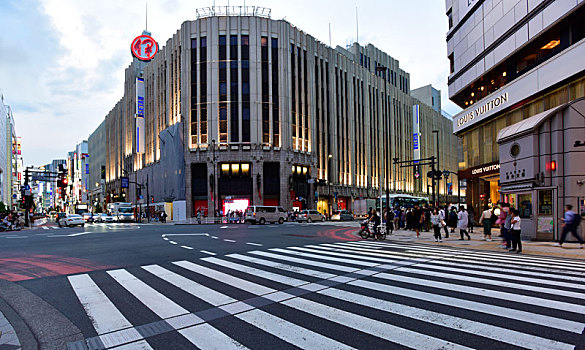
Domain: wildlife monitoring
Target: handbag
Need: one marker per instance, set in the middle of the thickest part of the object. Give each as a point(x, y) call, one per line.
point(442, 223)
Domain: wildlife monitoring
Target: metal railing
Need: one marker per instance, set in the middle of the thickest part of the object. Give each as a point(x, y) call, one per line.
point(212, 11)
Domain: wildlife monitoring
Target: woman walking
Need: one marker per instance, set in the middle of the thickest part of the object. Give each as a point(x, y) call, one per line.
point(462, 222)
point(516, 241)
point(436, 219)
point(487, 218)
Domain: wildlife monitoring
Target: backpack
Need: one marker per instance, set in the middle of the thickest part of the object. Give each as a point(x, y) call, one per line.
point(576, 219)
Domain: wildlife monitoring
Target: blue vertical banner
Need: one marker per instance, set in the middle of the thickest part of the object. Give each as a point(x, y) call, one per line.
point(140, 105)
point(449, 188)
point(415, 133)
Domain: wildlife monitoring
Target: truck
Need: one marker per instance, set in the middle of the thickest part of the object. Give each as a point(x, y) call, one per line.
point(121, 211)
point(361, 207)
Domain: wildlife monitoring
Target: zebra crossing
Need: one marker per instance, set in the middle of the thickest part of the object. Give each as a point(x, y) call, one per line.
point(95, 224)
point(341, 295)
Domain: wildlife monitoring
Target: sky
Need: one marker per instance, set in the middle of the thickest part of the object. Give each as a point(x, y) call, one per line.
point(62, 61)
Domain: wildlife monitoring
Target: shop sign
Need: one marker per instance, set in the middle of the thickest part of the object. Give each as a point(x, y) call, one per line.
point(144, 47)
point(482, 109)
point(479, 171)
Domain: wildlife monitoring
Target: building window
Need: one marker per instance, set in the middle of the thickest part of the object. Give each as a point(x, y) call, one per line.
point(293, 93)
point(450, 17)
point(234, 105)
point(275, 95)
point(451, 64)
point(245, 52)
point(222, 86)
point(203, 88)
point(194, 125)
point(265, 90)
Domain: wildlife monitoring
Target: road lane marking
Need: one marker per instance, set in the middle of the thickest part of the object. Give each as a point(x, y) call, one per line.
point(229, 240)
point(172, 242)
point(214, 237)
point(207, 252)
point(186, 247)
point(256, 244)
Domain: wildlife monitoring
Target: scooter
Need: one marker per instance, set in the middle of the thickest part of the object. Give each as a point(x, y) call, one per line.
point(366, 231)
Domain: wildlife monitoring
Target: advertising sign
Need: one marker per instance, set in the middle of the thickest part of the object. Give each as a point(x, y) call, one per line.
point(144, 47)
point(125, 182)
point(415, 133)
point(449, 188)
point(140, 124)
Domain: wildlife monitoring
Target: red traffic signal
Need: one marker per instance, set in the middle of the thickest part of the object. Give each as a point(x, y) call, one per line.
point(65, 182)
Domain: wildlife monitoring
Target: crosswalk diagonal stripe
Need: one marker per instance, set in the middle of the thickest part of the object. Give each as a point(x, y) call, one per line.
point(155, 301)
point(453, 276)
point(256, 272)
point(204, 336)
point(305, 261)
point(379, 329)
point(500, 311)
point(321, 250)
point(553, 304)
point(463, 262)
point(281, 266)
point(460, 324)
point(289, 332)
point(104, 316)
point(198, 290)
point(511, 275)
point(225, 278)
point(520, 261)
point(339, 260)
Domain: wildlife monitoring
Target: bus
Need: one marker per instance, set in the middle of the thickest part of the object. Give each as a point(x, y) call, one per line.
point(402, 200)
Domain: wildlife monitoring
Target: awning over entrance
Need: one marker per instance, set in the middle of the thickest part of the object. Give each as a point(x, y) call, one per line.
point(516, 187)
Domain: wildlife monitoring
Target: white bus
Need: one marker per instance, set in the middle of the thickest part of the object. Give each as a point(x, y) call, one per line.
point(402, 200)
point(121, 211)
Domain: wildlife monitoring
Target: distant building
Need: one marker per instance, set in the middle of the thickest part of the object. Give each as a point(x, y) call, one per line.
point(429, 96)
point(518, 65)
point(241, 109)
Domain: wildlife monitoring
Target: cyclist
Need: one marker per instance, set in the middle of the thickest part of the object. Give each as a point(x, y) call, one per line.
point(376, 220)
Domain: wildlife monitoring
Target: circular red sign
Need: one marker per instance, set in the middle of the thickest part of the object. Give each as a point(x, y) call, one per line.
point(144, 47)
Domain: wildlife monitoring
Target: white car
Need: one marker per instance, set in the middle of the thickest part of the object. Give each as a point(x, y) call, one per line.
point(103, 217)
point(72, 220)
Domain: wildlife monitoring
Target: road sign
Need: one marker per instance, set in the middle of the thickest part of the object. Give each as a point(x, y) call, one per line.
point(14, 196)
point(311, 181)
point(140, 197)
point(125, 182)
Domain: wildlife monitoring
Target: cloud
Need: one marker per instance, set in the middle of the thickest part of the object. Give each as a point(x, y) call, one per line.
point(62, 61)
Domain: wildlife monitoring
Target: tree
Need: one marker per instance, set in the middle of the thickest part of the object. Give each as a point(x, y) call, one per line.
point(3, 208)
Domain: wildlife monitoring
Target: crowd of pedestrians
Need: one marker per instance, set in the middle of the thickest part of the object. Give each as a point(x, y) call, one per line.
point(447, 219)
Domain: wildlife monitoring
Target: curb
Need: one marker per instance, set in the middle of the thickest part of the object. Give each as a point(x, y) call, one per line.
point(23, 333)
point(38, 324)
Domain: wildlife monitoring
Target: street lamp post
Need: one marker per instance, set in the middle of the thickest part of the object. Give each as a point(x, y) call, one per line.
point(446, 174)
point(436, 132)
point(387, 149)
point(216, 206)
point(329, 157)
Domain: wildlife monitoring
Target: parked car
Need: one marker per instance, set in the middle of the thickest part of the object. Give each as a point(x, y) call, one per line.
point(310, 216)
point(262, 214)
point(88, 217)
point(103, 217)
point(72, 220)
point(341, 215)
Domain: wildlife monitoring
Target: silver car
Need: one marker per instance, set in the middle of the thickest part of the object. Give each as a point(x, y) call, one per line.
point(341, 215)
point(310, 216)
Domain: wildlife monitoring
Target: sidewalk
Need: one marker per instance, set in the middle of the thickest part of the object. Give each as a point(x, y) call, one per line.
point(569, 249)
point(8, 337)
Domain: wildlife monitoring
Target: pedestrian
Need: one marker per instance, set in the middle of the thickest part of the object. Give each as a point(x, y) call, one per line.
point(515, 231)
point(418, 218)
point(453, 219)
point(486, 219)
point(442, 211)
point(471, 218)
point(427, 218)
point(199, 216)
point(570, 223)
point(462, 222)
point(163, 217)
point(436, 219)
point(397, 218)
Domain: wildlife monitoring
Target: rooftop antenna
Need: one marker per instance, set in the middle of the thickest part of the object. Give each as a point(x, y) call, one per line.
point(357, 32)
point(330, 34)
point(146, 17)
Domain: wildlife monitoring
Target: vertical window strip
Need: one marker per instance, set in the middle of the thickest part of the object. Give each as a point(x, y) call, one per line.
point(275, 95)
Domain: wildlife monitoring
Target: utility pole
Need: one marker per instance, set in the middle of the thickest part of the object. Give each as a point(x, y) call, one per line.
point(147, 200)
point(25, 196)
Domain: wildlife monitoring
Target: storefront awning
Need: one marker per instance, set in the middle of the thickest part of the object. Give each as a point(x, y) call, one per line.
point(510, 188)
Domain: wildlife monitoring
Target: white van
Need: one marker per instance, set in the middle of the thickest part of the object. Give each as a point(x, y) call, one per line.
point(262, 214)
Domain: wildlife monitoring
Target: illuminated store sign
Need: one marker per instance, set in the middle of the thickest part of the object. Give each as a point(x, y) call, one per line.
point(480, 171)
point(484, 108)
point(140, 124)
point(144, 47)
point(415, 133)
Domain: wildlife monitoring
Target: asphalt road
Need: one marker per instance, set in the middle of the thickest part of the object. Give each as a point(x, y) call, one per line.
point(281, 286)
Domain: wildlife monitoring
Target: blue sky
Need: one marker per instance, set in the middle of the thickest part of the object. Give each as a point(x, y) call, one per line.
point(62, 61)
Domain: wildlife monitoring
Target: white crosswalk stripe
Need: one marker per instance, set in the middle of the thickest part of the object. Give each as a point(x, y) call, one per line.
point(398, 294)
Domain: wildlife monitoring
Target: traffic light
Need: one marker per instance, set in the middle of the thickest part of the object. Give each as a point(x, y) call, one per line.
point(65, 182)
point(151, 199)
